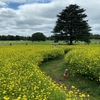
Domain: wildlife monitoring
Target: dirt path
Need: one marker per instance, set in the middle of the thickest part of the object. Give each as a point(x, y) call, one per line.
point(55, 69)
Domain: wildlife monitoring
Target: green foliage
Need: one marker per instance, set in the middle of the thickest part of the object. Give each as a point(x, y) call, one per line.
point(38, 37)
point(14, 38)
point(85, 61)
point(71, 24)
point(95, 36)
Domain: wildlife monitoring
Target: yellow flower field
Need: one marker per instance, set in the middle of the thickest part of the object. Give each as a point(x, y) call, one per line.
point(85, 61)
point(22, 79)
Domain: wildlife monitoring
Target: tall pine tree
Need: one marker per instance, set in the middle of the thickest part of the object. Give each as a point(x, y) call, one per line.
point(72, 25)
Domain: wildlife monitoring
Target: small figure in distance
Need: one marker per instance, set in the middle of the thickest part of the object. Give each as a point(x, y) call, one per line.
point(55, 46)
point(10, 44)
point(66, 74)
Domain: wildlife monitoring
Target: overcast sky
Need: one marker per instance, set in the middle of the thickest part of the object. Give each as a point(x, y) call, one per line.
point(25, 17)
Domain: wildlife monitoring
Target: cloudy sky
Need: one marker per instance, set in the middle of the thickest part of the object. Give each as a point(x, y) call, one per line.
point(25, 17)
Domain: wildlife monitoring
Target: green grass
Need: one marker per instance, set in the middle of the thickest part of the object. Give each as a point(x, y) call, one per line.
point(7, 43)
point(95, 41)
point(55, 69)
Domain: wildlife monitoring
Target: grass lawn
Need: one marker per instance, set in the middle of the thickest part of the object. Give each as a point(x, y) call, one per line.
point(55, 69)
point(7, 43)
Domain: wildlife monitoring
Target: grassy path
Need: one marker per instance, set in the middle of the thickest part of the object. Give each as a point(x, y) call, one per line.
point(55, 69)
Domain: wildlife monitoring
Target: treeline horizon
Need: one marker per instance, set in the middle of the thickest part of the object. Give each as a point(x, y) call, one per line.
point(17, 37)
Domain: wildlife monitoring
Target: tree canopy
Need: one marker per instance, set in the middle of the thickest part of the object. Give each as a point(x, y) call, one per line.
point(71, 25)
point(38, 36)
point(13, 38)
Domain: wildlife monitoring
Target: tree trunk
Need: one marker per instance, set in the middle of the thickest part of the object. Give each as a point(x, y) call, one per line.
point(70, 41)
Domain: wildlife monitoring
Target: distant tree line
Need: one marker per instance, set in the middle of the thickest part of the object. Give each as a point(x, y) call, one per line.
point(38, 36)
point(95, 36)
point(12, 38)
point(58, 37)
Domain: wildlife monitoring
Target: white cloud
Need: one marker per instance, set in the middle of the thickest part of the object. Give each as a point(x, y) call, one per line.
point(3, 4)
point(34, 17)
point(18, 1)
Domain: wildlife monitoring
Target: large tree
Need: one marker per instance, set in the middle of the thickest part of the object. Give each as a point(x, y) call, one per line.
point(72, 25)
point(38, 36)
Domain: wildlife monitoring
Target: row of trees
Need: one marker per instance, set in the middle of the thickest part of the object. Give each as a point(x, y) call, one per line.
point(95, 36)
point(58, 37)
point(11, 37)
point(38, 36)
